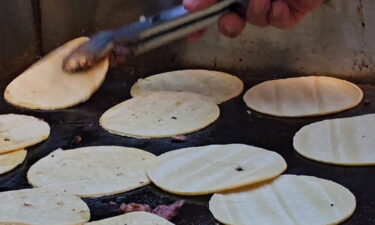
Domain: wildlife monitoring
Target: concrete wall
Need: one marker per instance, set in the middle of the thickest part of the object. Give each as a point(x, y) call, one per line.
point(18, 38)
point(337, 39)
point(63, 20)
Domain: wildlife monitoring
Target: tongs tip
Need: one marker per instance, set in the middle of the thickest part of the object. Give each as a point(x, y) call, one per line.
point(77, 62)
point(89, 54)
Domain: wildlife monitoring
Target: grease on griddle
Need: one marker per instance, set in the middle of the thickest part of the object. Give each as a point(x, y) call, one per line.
point(168, 212)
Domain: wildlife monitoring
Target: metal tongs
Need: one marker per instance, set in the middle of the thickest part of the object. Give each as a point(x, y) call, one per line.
point(153, 32)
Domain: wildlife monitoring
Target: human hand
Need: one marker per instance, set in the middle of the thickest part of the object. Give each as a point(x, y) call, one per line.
point(282, 14)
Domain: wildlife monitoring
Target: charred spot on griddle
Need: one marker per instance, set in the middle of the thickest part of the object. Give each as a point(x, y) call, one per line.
point(27, 205)
point(6, 139)
point(174, 118)
point(159, 120)
point(52, 156)
point(239, 169)
point(332, 205)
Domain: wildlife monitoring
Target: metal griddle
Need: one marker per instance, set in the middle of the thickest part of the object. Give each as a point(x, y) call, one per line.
point(235, 125)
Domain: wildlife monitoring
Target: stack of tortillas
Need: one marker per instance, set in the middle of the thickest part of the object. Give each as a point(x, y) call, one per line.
point(347, 141)
point(135, 218)
point(46, 86)
point(287, 200)
point(303, 96)
point(42, 206)
point(213, 168)
point(16, 133)
point(172, 104)
point(92, 171)
point(217, 85)
point(248, 186)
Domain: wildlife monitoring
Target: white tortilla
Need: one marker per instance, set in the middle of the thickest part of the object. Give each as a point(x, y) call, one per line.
point(134, 218)
point(214, 168)
point(92, 171)
point(287, 200)
point(11, 160)
point(217, 85)
point(46, 86)
point(21, 131)
point(303, 96)
point(347, 141)
point(161, 114)
point(42, 207)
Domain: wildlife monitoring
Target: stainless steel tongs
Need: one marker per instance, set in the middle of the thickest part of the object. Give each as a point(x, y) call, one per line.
point(147, 35)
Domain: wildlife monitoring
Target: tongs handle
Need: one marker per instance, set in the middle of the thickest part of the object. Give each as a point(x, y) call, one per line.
point(149, 34)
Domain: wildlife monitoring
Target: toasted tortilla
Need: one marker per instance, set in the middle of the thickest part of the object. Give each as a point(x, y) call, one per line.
point(42, 207)
point(20, 131)
point(46, 86)
point(214, 168)
point(92, 171)
point(303, 96)
point(11, 160)
point(347, 141)
point(217, 85)
point(287, 200)
point(160, 114)
point(135, 218)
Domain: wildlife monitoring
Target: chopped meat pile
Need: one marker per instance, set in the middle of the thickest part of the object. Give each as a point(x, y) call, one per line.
point(166, 211)
point(134, 207)
point(77, 139)
point(179, 138)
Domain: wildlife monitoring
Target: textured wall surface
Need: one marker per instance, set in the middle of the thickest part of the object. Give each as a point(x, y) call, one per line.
point(63, 20)
point(337, 39)
point(18, 39)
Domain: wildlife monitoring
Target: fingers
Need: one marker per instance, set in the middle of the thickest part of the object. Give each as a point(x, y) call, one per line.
point(281, 16)
point(194, 6)
point(257, 12)
point(198, 5)
point(231, 25)
point(288, 13)
point(279, 13)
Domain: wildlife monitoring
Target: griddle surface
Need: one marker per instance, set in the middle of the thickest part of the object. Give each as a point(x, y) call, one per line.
point(235, 125)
